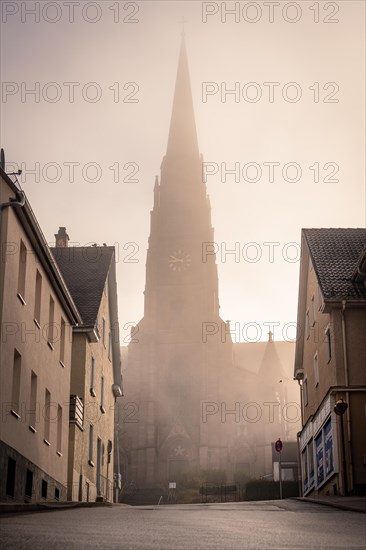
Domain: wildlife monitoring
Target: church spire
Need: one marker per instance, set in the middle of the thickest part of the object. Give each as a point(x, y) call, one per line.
point(182, 141)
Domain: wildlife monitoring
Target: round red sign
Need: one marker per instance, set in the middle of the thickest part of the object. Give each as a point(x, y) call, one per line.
point(278, 445)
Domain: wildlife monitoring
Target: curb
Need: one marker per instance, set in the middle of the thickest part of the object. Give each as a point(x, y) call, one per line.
point(9, 508)
point(338, 505)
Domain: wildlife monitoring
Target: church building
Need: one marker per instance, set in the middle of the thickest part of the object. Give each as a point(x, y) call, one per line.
point(185, 396)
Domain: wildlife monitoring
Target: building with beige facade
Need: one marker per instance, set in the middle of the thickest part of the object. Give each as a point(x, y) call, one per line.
point(330, 360)
point(36, 316)
point(90, 274)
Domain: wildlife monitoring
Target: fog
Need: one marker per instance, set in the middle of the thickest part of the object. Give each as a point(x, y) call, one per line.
point(277, 113)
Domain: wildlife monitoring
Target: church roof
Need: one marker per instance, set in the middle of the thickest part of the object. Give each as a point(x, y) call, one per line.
point(335, 255)
point(268, 359)
point(85, 270)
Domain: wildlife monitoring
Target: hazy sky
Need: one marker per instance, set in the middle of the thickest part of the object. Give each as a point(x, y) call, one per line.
point(310, 121)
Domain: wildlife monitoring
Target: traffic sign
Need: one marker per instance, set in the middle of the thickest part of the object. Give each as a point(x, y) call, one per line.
point(278, 445)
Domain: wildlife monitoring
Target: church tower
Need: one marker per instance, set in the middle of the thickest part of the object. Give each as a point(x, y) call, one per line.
point(180, 356)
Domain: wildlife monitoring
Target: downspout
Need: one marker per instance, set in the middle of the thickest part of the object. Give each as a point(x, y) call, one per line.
point(20, 203)
point(344, 344)
point(118, 457)
point(299, 463)
point(345, 362)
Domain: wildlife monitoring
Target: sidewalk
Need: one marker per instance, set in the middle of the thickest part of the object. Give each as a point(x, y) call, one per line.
point(16, 507)
point(351, 503)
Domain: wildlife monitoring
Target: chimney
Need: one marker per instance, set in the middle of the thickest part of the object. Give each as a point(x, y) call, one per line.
point(62, 238)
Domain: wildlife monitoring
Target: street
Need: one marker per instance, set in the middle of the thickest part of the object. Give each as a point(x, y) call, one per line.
point(244, 525)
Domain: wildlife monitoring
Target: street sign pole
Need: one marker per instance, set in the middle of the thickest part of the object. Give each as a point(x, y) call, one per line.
point(280, 474)
point(278, 447)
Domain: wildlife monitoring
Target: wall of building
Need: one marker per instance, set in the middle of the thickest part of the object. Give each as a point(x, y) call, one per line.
point(315, 345)
point(321, 437)
point(98, 411)
point(30, 339)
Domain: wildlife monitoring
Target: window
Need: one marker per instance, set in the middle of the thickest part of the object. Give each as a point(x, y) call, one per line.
point(109, 345)
point(311, 463)
point(307, 324)
point(33, 403)
point(22, 272)
point(10, 477)
point(102, 394)
point(313, 316)
point(76, 413)
point(15, 392)
point(92, 374)
point(59, 430)
point(103, 331)
point(316, 369)
point(29, 483)
point(47, 417)
point(37, 299)
point(320, 297)
point(328, 343)
point(62, 342)
point(91, 437)
point(44, 487)
point(99, 464)
point(57, 493)
point(305, 388)
point(51, 323)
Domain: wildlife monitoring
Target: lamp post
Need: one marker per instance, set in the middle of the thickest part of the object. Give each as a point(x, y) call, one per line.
point(340, 408)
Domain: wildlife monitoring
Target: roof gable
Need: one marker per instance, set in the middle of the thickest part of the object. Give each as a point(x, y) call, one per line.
point(335, 255)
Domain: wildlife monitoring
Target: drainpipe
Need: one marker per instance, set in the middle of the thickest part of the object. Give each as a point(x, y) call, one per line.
point(118, 457)
point(301, 402)
point(299, 463)
point(344, 343)
point(20, 203)
point(345, 362)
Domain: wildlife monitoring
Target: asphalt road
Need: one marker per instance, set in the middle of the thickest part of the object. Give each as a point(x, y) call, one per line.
point(287, 524)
